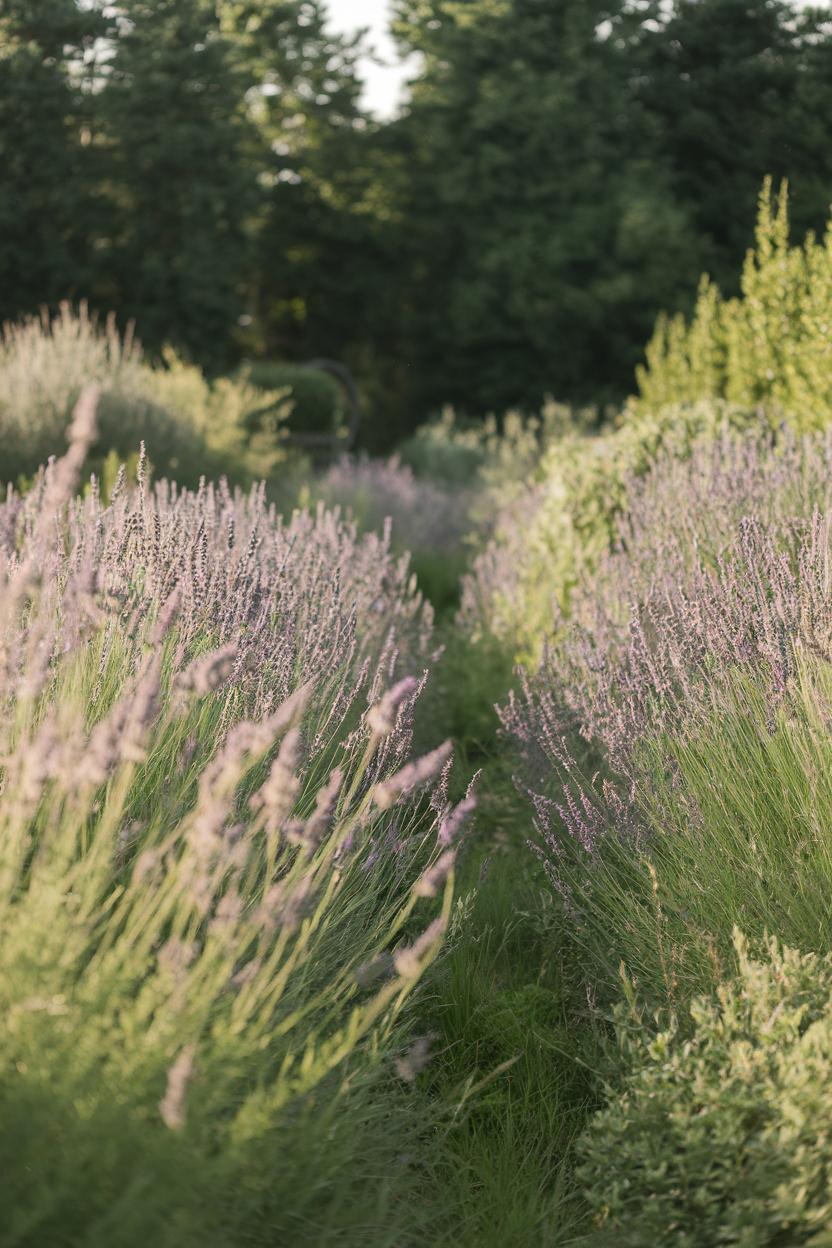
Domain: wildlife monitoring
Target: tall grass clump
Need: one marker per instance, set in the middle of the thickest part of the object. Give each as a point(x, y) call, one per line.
point(191, 427)
point(221, 875)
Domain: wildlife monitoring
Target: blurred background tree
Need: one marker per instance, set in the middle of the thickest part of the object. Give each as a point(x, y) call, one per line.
point(733, 88)
point(548, 233)
point(562, 171)
point(182, 178)
point(49, 173)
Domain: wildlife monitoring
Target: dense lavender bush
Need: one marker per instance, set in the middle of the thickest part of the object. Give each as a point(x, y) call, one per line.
point(217, 866)
point(694, 678)
point(720, 563)
point(426, 515)
point(549, 536)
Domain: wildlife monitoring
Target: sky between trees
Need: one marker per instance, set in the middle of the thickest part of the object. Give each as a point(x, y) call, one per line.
point(384, 83)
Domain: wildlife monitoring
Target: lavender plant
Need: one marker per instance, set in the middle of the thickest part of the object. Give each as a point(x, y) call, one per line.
point(220, 876)
point(550, 533)
point(425, 514)
point(719, 564)
point(695, 671)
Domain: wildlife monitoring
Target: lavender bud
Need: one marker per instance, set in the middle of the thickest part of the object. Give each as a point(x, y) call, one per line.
point(172, 1105)
point(416, 1058)
point(412, 776)
point(409, 961)
point(429, 884)
point(381, 718)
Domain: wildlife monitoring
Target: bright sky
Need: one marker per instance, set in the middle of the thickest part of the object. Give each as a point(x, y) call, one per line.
point(384, 82)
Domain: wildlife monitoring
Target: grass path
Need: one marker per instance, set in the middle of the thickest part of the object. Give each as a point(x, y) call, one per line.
point(513, 1036)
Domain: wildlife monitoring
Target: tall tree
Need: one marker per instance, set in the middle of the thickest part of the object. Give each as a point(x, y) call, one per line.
point(738, 90)
point(545, 234)
point(316, 176)
point(48, 163)
point(184, 177)
point(327, 239)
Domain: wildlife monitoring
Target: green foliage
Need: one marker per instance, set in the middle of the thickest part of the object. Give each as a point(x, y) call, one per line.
point(769, 346)
point(191, 427)
point(561, 173)
point(62, 1185)
point(720, 1132)
point(548, 232)
point(49, 209)
point(731, 91)
point(496, 454)
point(194, 1046)
point(511, 1081)
point(101, 1007)
point(317, 401)
point(180, 193)
point(174, 226)
point(448, 450)
point(438, 575)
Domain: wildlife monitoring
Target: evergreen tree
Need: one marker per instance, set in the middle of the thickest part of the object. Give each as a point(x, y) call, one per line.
point(738, 91)
point(48, 159)
point(183, 175)
point(317, 176)
point(545, 235)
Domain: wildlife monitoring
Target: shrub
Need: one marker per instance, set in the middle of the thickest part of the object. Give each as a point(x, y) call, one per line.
point(770, 346)
point(718, 565)
point(500, 453)
point(549, 536)
point(424, 514)
point(720, 1132)
point(191, 427)
point(241, 427)
point(219, 878)
point(317, 401)
point(445, 450)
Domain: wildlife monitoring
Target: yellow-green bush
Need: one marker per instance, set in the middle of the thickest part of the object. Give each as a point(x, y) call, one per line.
point(772, 345)
point(720, 1133)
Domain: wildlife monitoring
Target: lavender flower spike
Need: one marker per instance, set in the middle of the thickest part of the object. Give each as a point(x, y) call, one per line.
point(412, 776)
point(409, 961)
point(381, 718)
